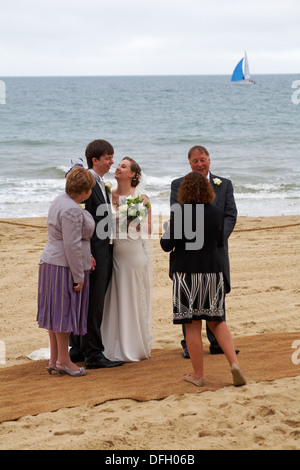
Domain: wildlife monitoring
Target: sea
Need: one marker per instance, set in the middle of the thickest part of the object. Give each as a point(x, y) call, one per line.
point(251, 132)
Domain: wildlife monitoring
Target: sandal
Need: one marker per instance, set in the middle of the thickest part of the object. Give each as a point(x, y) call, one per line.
point(237, 375)
point(73, 373)
point(193, 380)
point(50, 369)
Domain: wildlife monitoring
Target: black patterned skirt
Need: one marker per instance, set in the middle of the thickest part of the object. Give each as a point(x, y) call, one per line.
point(198, 296)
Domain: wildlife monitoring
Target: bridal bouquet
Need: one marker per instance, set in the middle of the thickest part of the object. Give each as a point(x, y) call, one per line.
point(132, 209)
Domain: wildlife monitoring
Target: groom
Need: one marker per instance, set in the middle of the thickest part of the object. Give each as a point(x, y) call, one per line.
point(199, 161)
point(99, 155)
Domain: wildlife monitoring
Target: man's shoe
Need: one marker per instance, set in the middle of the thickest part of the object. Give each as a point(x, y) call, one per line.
point(102, 362)
point(218, 350)
point(185, 353)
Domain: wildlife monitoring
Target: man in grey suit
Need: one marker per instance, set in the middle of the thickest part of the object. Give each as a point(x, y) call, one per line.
point(199, 161)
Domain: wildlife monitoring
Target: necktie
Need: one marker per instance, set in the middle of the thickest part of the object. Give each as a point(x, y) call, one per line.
point(102, 186)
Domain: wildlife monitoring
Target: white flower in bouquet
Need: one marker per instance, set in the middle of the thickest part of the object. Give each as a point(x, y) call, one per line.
point(132, 212)
point(123, 209)
point(133, 209)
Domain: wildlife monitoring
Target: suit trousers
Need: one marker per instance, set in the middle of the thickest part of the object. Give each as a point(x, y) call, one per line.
point(90, 346)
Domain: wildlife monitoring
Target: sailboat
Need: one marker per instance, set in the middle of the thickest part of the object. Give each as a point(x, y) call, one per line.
point(241, 77)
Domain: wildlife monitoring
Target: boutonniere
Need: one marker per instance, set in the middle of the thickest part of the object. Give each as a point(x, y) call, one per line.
point(108, 186)
point(217, 181)
point(82, 205)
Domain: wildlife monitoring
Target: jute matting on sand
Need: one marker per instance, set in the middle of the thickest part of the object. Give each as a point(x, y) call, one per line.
point(27, 389)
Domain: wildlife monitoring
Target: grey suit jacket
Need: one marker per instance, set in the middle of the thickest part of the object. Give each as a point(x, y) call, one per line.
point(224, 200)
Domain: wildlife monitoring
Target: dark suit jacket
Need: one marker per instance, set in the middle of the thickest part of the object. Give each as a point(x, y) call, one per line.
point(99, 246)
point(209, 258)
point(225, 201)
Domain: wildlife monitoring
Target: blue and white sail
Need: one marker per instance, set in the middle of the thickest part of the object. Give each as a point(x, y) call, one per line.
point(242, 76)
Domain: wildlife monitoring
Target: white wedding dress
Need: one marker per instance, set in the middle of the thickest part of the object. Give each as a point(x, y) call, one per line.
point(127, 316)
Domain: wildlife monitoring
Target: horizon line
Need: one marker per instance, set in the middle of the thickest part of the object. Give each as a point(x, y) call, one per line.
point(145, 75)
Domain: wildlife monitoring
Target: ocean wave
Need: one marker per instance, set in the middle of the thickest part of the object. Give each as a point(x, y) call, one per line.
point(32, 183)
point(159, 181)
point(28, 142)
point(275, 187)
point(26, 199)
point(53, 171)
point(265, 196)
point(156, 187)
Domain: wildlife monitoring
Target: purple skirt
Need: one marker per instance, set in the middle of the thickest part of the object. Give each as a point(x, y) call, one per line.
point(60, 309)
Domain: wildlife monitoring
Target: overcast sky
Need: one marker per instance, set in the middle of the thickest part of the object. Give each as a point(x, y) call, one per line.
point(147, 37)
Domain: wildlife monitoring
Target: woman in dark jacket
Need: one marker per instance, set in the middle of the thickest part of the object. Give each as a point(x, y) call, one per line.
point(195, 239)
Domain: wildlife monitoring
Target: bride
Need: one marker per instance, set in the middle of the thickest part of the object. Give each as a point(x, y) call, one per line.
point(127, 313)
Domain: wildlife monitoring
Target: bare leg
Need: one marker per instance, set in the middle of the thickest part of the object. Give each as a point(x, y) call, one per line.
point(224, 338)
point(195, 346)
point(63, 351)
point(53, 347)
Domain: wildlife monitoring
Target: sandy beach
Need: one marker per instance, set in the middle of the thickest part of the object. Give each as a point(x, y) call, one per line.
point(265, 299)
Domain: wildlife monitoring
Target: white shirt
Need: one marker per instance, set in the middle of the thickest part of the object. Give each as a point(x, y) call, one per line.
point(100, 180)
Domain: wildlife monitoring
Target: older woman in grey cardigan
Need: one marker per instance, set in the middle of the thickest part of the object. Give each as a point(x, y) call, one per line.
point(63, 286)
